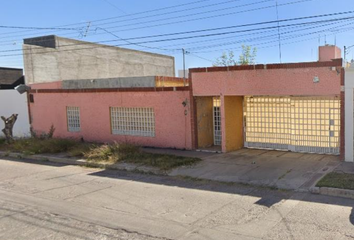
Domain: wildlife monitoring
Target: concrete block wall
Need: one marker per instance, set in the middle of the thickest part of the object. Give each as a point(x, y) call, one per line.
point(73, 59)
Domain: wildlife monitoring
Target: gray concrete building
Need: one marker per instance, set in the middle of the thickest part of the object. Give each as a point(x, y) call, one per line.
point(53, 58)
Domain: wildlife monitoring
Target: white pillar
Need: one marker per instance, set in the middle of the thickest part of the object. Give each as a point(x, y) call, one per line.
point(349, 114)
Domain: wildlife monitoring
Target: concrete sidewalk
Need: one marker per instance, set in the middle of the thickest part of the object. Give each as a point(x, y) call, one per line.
point(286, 170)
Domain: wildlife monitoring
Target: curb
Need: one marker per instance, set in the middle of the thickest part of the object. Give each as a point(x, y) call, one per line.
point(335, 192)
point(83, 162)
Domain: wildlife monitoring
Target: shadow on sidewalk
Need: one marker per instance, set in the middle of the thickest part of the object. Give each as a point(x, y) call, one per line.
point(267, 196)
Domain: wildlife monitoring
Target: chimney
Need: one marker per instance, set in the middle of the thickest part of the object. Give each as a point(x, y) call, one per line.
point(328, 53)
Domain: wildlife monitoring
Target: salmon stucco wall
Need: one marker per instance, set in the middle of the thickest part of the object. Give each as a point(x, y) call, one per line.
point(51, 85)
point(291, 81)
point(172, 118)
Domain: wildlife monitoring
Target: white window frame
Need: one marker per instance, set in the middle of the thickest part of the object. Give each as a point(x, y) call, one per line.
point(133, 121)
point(73, 119)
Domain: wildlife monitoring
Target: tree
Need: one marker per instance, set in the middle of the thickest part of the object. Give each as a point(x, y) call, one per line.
point(247, 57)
point(9, 124)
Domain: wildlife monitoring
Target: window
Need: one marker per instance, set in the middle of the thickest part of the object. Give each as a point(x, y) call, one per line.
point(133, 121)
point(217, 121)
point(73, 118)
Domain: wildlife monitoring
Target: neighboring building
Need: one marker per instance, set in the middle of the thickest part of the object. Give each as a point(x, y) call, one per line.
point(53, 58)
point(294, 107)
point(11, 77)
point(349, 112)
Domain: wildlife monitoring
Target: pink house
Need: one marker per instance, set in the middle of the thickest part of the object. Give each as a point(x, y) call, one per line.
point(156, 117)
point(293, 107)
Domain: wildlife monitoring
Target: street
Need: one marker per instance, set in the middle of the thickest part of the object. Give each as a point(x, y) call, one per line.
point(41, 200)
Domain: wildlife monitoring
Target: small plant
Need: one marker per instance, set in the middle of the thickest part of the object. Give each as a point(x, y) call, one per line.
point(43, 135)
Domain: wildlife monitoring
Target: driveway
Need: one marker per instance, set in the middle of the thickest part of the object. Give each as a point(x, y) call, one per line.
point(286, 170)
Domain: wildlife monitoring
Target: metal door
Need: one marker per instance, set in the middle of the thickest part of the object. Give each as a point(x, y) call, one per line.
point(299, 124)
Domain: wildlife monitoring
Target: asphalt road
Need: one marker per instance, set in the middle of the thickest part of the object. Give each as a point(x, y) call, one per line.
point(49, 201)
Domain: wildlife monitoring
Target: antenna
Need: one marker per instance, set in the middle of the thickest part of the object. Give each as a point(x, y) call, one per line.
point(335, 40)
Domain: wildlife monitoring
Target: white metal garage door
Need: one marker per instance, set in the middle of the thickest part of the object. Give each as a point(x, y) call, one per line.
point(299, 124)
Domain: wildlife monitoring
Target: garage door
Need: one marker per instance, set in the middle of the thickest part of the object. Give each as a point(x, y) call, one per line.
point(299, 124)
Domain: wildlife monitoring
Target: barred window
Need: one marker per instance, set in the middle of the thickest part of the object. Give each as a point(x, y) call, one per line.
point(133, 121)
point(73, 118)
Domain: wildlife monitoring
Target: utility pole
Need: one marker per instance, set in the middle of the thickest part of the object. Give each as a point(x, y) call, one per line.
point(184, 66)
point(345, 54)
point(276, 7)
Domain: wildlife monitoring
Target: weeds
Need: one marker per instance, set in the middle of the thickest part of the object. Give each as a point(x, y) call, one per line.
point(132, 154)
point(98, 154)
point(31, 146)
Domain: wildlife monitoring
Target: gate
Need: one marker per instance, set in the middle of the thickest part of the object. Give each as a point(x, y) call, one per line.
point(299, 124)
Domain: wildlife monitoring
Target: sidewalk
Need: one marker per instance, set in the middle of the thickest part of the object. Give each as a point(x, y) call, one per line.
point(284, 170)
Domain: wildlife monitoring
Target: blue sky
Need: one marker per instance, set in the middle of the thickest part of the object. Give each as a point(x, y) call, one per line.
point(298, 43)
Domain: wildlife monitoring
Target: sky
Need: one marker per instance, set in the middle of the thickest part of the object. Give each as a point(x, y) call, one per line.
point(114, 20)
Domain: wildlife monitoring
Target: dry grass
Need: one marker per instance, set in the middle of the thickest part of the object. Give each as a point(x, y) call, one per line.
point(107, 153)
point(37, 146)
point(132, 154)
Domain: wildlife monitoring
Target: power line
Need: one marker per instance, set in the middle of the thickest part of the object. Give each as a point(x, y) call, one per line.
point(169, 13)
point(205, 35)
point(202, 18)
point(237, 36)
point(132, 14)
point(217, 50)
point(235, 26)
point(178, 17)
point(263, 37)
point(271, 45)
point(40, 28)
point(114, 6)
point(187, 15)
point(209, 17)
point(189, 37)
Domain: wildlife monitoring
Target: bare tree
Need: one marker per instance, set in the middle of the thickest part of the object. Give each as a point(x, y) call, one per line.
point(9, 124)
